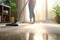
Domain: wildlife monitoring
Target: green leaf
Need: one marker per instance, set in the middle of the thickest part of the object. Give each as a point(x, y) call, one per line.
point(57, 10)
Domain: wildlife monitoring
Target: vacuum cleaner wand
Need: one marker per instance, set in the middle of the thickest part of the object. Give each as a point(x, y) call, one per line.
point(14, 24)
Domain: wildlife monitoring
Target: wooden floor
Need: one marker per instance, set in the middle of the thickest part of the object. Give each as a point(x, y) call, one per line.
point(20, 32)
point(14, 32)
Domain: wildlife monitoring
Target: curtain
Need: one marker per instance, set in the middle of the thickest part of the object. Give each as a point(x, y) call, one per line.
point(40, 11)
point(21, 15)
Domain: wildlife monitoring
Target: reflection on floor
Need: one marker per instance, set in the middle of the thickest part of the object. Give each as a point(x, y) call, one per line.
point(27, 31)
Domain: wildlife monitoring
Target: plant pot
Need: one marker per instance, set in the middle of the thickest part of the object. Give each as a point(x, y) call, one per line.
point(12, 19)
point(57, 19)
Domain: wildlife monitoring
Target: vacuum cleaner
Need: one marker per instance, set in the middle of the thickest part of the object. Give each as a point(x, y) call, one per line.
point(14, 23)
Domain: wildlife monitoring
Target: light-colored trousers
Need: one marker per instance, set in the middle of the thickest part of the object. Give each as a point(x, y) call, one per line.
point(31, 9)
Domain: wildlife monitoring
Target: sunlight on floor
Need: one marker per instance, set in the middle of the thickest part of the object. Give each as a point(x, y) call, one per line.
point(38, 37)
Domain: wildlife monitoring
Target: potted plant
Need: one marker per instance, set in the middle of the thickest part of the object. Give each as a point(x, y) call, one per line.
point(13, 9)
point(57, 13)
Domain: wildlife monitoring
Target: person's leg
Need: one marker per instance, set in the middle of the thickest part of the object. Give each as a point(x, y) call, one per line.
point(30, 13)
point(33, 14)
point(33, 17)
point(31, 10)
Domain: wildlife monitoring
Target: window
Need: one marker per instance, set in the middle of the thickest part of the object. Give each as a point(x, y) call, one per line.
point(50, 5)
